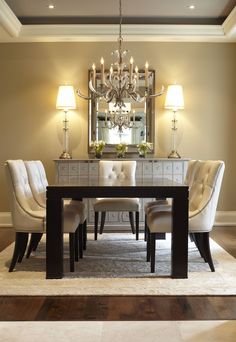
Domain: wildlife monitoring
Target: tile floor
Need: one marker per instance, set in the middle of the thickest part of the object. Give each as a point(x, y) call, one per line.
point(167, 331)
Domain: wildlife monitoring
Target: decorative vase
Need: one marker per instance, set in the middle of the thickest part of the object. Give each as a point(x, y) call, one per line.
point(98, 155)
point(142, 154)
point(121, 155)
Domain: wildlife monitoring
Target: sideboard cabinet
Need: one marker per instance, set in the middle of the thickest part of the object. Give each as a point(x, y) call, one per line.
point(71, 170)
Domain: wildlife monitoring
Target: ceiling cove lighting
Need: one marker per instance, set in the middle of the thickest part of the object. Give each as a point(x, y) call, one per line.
point(119, 84)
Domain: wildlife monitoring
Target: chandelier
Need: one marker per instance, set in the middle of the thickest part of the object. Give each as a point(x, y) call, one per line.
point(119, 84)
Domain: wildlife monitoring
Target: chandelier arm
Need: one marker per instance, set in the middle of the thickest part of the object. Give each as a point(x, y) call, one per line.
point(93, 90)
point(83, 96)
point(159, 93)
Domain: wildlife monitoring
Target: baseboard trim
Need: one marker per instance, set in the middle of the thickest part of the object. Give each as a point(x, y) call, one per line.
point(5, 220)
point(223, 218)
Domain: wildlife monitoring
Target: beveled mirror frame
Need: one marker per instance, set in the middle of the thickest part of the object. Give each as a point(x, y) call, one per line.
point(150, 117)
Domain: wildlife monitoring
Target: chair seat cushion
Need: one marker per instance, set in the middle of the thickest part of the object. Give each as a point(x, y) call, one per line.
point(71, 222)
point(77, 207)
point(150, 205)
point(159, 221)
point(116, 204)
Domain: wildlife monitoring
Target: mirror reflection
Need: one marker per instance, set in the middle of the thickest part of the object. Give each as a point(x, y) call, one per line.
point(130, 124)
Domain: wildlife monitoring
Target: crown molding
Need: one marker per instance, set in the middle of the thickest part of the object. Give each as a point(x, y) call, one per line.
point(8, 20)
point(229, 25)
point(16, 32)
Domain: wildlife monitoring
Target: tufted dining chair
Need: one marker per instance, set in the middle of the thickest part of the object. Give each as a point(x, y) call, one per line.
point(205, 183)
point(27, 216)
point(38, 183)
point(167, 203)
point(117, 170)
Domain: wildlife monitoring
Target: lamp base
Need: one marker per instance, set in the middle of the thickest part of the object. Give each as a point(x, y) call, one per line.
point(65, 155)
point(174, 154)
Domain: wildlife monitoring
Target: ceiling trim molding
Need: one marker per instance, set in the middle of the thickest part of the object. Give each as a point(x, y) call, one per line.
point(229, 25)
point(16, 32)
point(8, 20)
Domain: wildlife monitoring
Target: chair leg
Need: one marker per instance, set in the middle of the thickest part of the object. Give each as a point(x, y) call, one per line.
point(137, 224)
point(85, 235)
point(72, 251)
point(17, 249)
point(23, 247)
point(198, 240)
point(131, 220)
point(152, 251)
point(145, 228)
point(207, 250)
point(96, 225)
point(103, 219)
point(34, 241)
point(148, 244)
point(81, 241)
point(77, 243)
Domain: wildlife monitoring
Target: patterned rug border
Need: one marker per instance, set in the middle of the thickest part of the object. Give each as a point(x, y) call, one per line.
point(221, 282)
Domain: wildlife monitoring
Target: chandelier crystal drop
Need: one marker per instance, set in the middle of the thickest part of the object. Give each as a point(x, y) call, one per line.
point(120, 83)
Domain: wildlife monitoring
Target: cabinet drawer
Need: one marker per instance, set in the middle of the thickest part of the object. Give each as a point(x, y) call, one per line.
point(177, 168)
point(93, 168)
point(139, 169)
point(63, 169)
point(113, 216)
point(167, 168)
point(178, 178)
point(74, 169)
point(157, 169)
point(83, 169)
point(147, 169)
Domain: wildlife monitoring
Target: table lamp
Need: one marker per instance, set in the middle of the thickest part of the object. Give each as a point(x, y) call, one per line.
point(65, 101)
point(174, 101)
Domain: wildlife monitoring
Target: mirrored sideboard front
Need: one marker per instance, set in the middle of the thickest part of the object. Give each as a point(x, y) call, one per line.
point(69, 171)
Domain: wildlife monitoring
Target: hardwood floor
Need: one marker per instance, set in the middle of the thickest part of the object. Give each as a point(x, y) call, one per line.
point(126, 308)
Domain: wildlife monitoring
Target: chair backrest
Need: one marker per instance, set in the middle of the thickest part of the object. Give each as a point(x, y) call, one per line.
point(22, 202)
point(204, 194)
point(117, 169)
point(190, 172)
point(37, 180)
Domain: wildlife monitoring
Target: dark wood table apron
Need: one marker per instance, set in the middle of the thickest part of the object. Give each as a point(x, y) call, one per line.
point(152, 188)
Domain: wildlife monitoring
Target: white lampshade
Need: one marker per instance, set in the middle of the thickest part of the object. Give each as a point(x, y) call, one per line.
point(66, 97)
point(174, 97)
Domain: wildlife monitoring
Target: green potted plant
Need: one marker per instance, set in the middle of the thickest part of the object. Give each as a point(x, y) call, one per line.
point(144, 147)
point(98, 147)
point(121, 149)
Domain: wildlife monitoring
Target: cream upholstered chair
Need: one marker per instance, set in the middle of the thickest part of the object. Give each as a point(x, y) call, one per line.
point(205, 183)
point(28, 216)
point(38, 183)
point(121, 170)
point(159, 203)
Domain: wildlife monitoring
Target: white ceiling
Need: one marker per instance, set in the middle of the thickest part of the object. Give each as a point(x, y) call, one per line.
point(149, 20)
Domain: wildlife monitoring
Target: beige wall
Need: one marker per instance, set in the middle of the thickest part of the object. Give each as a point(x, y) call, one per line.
point(31, 127)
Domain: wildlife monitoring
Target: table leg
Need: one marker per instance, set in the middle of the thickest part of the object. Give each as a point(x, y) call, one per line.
point(179, 256)
point(54, 238)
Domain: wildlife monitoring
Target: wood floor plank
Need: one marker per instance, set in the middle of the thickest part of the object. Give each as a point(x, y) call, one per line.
point(117, 308)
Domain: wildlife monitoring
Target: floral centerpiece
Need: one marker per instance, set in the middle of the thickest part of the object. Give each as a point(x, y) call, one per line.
point(121, 149)
point(143, 148)
point(98, 147)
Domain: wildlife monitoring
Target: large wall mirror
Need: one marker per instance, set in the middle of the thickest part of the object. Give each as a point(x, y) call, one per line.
point(139, 115)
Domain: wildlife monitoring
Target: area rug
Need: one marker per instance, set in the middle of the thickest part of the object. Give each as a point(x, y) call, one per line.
point(115, 265)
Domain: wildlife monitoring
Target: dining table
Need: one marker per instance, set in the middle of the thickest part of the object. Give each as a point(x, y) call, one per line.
point(91, 188)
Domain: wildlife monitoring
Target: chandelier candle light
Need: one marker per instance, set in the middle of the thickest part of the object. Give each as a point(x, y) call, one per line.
point(119, 84)
point(174, 101)
point(65, 101)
